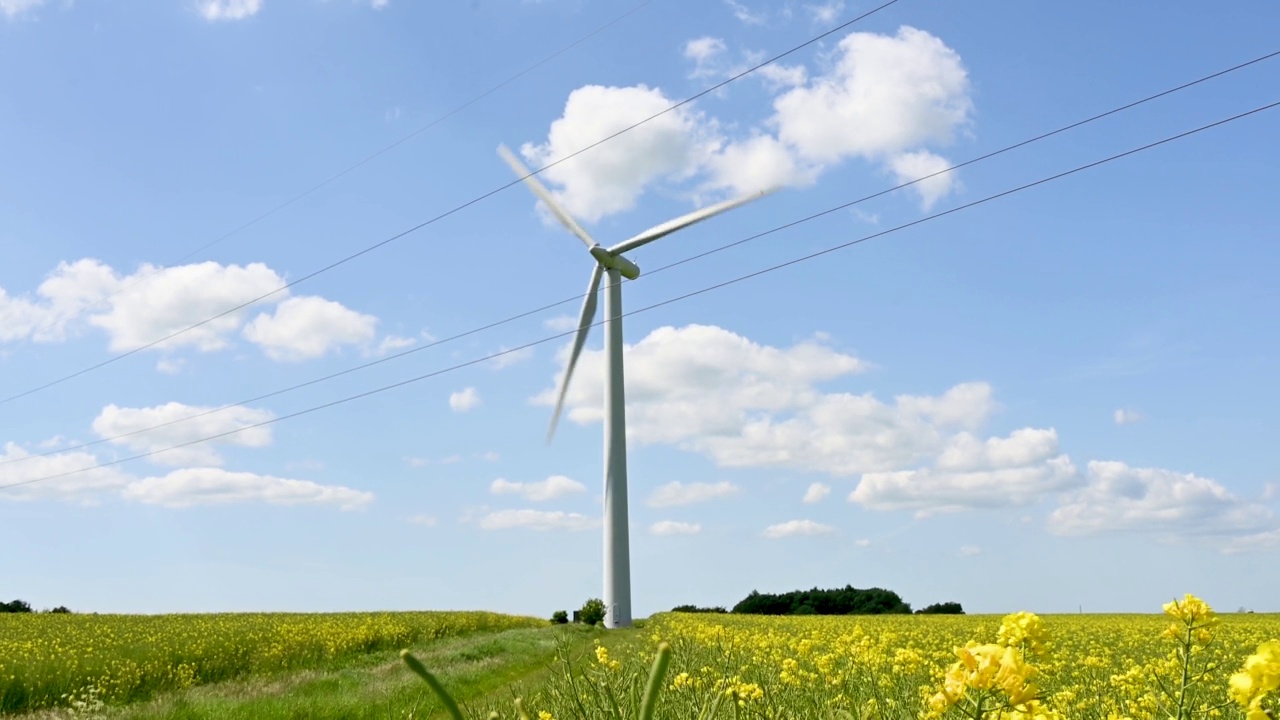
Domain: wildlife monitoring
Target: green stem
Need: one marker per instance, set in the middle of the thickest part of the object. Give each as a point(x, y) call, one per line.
point(416, 666)
point(650, 702)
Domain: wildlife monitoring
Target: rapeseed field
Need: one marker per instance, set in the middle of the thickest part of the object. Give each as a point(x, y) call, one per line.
point(49, 660)
point(1187, 662)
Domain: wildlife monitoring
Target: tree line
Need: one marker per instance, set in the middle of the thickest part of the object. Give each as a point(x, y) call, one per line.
point(836, 601)
point(22, 606)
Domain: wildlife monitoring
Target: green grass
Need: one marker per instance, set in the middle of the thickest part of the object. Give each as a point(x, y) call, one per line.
point(482, 672)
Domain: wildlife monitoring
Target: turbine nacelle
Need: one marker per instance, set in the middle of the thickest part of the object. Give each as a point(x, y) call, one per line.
point(610, 261)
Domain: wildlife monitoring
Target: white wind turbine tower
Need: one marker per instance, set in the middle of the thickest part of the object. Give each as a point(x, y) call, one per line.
point(617, 552)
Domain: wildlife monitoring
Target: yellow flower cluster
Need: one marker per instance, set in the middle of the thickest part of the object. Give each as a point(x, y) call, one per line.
point(993, 668)
point(1260, 676)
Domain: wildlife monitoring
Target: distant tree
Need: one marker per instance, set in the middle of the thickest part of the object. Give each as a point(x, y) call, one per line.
point(592, 611)
point(696, 609)
point(61, 609)
point(945, 608)
point(16, 606)
point(840, 601)
point(560, 617)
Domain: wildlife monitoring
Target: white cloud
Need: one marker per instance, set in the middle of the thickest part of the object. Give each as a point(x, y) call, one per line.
point(213, 486)
point(671, 527)
point(170, 366)
point(793, 528)
point(14, 8)
point(139, 309)
point(490, 456)
point(969, 550)
point(883, 100)
point(612, 176)
point(703, 52)
point(423, 520)
point(115, 420)
point(416, 462)
point(553, 487)
point(745, 14)
point(561, 323)
point(510, 357)
point(379, 4)
point(826, 13)
point(464, 400)
point(911, 166)
point(391, 343)
point(708, 390)
point(971, 474)
point(308, 327)
point(817, 492)
point(215, 10)
point(85, 487)
point(537, 520)
point(883, 96)
point(1117, 497)
point(677, 493)
point(862, 542)
point(1126, 417)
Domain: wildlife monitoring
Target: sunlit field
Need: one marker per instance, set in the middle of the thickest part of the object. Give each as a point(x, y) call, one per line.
point(49, 660)
point(1187, 662)
point(1179, 664)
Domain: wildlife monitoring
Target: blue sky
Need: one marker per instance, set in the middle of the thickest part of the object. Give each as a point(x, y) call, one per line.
point(1061, 399)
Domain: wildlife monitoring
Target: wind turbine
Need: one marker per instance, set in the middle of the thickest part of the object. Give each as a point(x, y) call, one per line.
point(617, 552)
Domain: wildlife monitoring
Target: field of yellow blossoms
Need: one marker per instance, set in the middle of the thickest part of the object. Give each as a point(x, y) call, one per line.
point(1187, 662)
point(49, 660)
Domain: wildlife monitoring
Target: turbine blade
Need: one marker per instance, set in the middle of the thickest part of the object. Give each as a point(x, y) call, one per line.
point(584, 324)
point(685, 221)
point(545, 196)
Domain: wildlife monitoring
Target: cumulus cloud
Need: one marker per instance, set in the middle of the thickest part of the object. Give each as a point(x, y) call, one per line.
point(423, 520)
point(677, 493)
point(1126, 417)
point(464, 400)
point(971, 474)
point(553, 487)
point(391, 343)
point(703, 51)
point(17, 465)
point(186, 487)
point(611, 177)
point(793, 528)
point(561, 323)
point(13, 8)
point(817, 492)
point(743, 404)
point(507, 357)
point(214, 486)
point(671, 527)
point(216, 10)
point(886, 99)
point(139, 309)
point(114, 421)
point(308, 327)
point(826, 13)
point(969, 550)
point(911, 166)
point(1117, 497)
point(537, 520)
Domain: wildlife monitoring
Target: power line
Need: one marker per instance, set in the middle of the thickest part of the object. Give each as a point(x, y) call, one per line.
point(443, 215)
point(692, 258)
point(349, 169)
point(663, 303)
